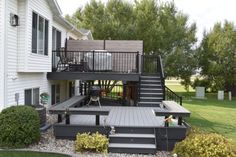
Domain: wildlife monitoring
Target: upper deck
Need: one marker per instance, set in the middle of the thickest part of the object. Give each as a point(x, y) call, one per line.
point(101, 60)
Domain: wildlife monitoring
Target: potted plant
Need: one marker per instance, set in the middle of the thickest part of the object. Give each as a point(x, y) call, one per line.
point(44, 98)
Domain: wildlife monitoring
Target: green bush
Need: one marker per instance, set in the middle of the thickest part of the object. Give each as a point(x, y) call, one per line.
point(201, 83)
point(204, 145)
point(19, 126)
point(92, 143)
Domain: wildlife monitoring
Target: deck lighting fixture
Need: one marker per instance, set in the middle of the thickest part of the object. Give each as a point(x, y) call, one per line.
point(14, 20)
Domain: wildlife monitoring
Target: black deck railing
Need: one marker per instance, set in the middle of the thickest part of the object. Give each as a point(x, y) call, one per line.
point(95, 61)
point(168, 94)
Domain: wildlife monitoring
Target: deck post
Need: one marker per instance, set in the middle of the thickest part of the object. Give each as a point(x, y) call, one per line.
point(59, 118)
point(137, 62)
point(67, 118)
point(93, 61)
point(97, 120)
point(166, 122)
point(180, 120)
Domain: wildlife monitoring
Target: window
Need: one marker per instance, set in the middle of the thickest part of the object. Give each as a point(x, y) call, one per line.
point(39, 34)
point(55, 93)
point(32, 96)
point(56, 39)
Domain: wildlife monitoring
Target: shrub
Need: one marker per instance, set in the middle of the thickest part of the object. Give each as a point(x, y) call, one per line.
point(19, 126)
point(93, 143)
point(204, 145)
point(201, 83)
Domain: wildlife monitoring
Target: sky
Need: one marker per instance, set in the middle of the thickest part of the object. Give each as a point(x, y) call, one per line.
point(204, 12)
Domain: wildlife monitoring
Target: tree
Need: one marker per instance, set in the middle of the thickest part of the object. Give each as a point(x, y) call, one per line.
point(164, 30)
point(217, 56)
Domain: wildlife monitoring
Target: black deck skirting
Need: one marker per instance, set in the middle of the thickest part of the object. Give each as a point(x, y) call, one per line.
point(93, 76)
point(166, 137)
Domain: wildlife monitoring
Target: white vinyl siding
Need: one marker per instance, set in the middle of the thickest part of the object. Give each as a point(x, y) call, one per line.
point(2, 34)
point(18, 54)
point(24, 69)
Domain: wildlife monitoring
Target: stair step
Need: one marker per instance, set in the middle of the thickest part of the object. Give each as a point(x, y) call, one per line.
point(126, 145)
point(150, 77)
point(134, 130)
point(132, 138)
point(153, 89)
point(153, 81)
point(141, 93)
point(132, 148)
point(133, 135)
point(153, 98)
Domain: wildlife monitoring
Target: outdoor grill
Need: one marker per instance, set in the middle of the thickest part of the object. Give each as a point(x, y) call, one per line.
point(94, 92)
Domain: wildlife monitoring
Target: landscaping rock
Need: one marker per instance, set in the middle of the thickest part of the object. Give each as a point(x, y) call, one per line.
point(48, 143)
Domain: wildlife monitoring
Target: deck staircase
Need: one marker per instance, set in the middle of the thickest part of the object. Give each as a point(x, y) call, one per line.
point(151, 91)
point(133, 140)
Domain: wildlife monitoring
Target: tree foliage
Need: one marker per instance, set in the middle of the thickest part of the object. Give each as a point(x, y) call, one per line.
point(164, 30)
point(217, 56)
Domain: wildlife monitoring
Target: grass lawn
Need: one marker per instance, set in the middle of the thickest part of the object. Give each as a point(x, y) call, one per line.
point(211, 114)
point(28, 154)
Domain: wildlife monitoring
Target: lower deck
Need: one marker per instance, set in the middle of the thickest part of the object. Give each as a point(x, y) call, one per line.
point(122, 116)
point(134, 127)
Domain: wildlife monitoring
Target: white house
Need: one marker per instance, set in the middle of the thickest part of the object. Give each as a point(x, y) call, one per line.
point(29, 31)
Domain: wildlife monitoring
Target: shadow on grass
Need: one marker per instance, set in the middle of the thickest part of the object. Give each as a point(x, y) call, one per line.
point(224, 129)
point(210, 101)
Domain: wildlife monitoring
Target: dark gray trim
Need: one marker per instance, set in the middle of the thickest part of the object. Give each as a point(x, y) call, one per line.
point(92, 76)
point(172, 134)
point(63, 131)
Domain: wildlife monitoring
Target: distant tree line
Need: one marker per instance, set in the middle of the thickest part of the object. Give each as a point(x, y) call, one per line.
point(166, 31)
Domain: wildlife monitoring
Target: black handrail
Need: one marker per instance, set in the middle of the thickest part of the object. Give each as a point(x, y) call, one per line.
point(162, 76)
point(168, 94)
point(171, 95)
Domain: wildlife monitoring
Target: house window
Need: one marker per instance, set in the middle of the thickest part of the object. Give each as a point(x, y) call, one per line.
point(39, 34)
point(56, 39)
point(55, 93)
point(32, 96)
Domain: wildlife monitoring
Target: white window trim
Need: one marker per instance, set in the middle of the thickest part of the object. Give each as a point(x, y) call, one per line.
point(32, 93)
point(37, 51)
point(53, 27)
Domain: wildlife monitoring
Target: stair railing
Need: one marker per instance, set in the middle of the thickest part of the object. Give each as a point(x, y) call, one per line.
point(168, 94)
point(162, 76)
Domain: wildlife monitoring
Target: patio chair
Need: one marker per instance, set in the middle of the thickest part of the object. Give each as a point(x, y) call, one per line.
point(62, 64)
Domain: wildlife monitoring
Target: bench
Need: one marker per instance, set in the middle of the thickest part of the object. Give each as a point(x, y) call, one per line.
point(61, 108)
point(174, 109)
point(97, 111)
